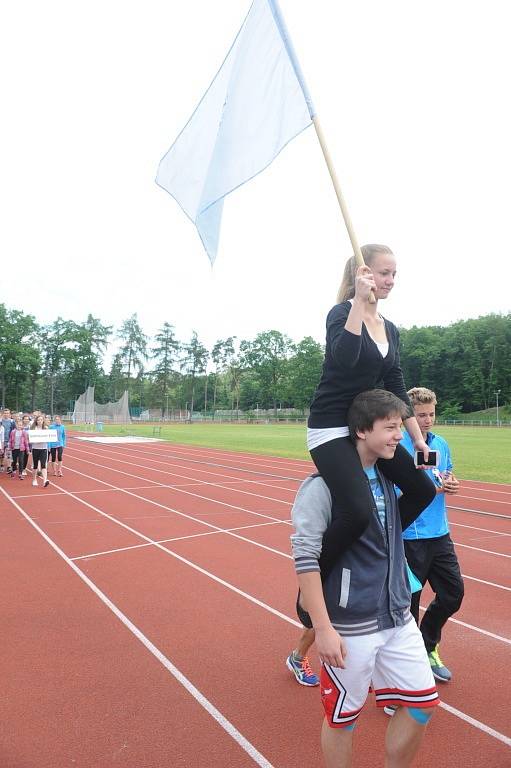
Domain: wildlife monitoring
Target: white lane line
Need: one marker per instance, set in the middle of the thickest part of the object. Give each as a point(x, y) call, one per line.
point(477, 723)
point(175, 555)
point(166, 541)
point(95, 520)
point(478, 498)
point(95, 490)
point(476, 629)
point(256, 756)
point(177, 512)
point(257, 544)
point(228, 727)
point(475, 528)
point(480, 489)
point(182, 453)
point(207, 457)
point(168, 464)
point(180, 490)
point(479, 512)
point(132, 454)
point(136, 457)
point(489, 583)
point(306, 465)
point(269, 498)
point(478, 549)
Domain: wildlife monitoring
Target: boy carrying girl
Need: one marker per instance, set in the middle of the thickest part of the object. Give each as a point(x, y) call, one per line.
point(364, 632)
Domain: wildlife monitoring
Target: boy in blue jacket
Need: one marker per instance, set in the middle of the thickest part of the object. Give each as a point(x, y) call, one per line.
point(428, 545)
point(364, 631)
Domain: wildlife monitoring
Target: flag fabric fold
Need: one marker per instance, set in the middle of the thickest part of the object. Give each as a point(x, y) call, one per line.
point(257, 103)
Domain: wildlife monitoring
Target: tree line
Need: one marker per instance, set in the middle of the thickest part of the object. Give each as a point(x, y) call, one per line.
point(48, 366)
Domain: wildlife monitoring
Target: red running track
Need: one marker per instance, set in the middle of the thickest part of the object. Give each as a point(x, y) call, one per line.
point(148, 607)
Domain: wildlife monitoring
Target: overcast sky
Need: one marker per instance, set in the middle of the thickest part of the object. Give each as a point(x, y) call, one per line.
point(414, 103)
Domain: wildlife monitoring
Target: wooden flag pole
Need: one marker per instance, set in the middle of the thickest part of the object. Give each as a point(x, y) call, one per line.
point(342, 203)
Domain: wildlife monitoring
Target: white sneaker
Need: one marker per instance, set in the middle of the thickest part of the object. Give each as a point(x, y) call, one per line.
point(390, 710)
point(34, 482)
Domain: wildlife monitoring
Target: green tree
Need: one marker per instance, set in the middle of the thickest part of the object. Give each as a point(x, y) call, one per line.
point(18, 352)
point(304, 372)
point(91, 342)
point(57, 342)
point(134, 350)
point(194, 363)
point(222, 355)
point(166, 354)
point(116, 378)
point(268, 356)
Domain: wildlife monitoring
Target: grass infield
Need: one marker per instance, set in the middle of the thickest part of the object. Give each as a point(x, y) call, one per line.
point(478, 453)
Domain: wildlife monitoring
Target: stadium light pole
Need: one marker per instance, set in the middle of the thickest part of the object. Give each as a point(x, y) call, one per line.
point(497, 393)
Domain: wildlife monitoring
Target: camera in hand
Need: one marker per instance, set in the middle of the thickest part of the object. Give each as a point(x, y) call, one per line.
point(431, 462)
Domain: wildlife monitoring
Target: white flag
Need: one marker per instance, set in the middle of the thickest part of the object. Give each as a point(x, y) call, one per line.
point(256, 104)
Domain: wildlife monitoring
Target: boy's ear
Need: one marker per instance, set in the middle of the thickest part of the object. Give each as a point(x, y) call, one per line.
point(360, 435)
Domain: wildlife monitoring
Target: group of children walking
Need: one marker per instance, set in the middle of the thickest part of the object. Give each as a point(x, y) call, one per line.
point(22, 438)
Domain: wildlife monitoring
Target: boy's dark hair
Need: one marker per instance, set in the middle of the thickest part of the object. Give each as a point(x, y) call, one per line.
point(372, 405)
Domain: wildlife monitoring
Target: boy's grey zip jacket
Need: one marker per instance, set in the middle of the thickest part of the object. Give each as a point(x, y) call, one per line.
point(367, 590)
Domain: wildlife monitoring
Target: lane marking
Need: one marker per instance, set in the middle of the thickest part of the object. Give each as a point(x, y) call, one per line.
point(480, 512)
point(180, 490)
point(476, 629)
point(182, 514)
point(489, 583)
point(267, 498)
point(138, 458)
point(477, 723)
point(182, 452)
point(236, 735)
point(95, 490)
point(215, 713)
point(478, 549)
point(475, 528)
point(216, 528)
point(478, 498)
point(166, 541)
point(182, 559)
point(288, 465)
point(168, 464)
point(134, 455)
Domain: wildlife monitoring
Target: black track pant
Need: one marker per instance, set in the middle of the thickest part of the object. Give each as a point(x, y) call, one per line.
point(39, 455)
point(17, 460)
point(339, 464)
point(435, 560)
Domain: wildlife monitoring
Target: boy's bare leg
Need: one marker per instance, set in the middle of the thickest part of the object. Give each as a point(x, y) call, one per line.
point(336, 744)
point(402, 740)
point(305, 642)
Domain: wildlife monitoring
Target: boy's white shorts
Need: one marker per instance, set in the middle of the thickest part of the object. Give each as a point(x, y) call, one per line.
point(393, 662)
